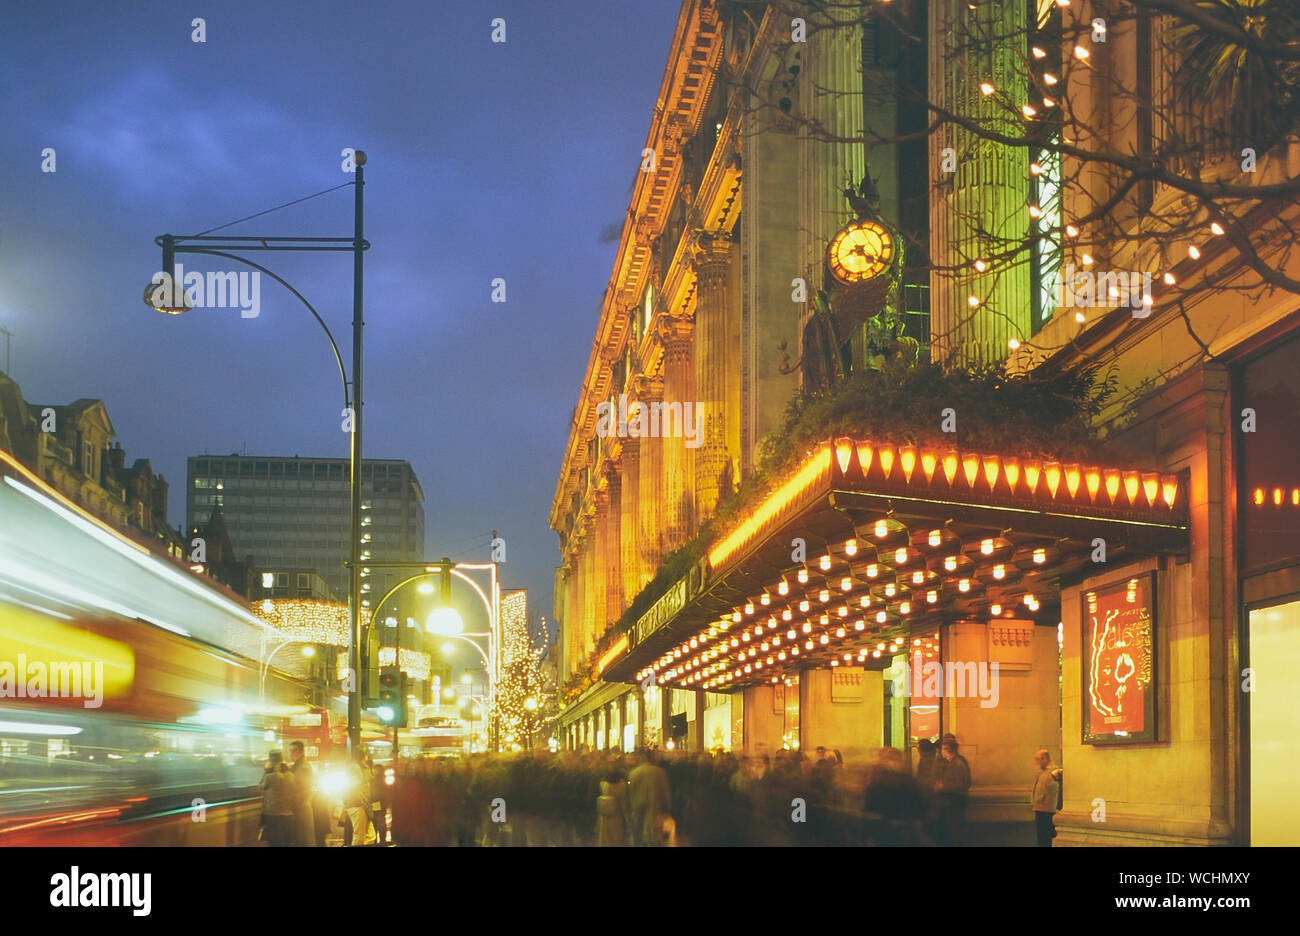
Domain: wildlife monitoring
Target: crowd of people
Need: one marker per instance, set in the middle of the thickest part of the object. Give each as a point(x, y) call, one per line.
point(648, 798)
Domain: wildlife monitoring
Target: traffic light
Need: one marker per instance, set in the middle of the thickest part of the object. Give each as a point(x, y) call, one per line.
point(392, 696)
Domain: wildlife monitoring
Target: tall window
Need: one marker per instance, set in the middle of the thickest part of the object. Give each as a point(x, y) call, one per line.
point(1046, 170)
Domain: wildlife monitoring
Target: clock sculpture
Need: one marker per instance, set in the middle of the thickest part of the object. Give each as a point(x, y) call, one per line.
point(860, 251)
point(863, 265)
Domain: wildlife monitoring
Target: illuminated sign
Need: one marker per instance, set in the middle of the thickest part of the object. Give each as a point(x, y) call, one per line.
point(663, 610)
point(612, 654)
point(1119, 700)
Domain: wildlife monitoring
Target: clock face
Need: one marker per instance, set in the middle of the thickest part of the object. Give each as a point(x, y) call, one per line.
point(860, 251)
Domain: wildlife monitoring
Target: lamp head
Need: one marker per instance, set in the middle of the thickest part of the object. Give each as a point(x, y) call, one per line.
point(164, 294)
point(445, 621)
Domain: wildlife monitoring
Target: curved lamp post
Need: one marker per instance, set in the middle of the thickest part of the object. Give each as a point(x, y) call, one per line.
point(173, 301)
point(454, 628)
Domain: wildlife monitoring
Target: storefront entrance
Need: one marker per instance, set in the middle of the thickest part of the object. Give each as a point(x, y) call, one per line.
point(1274, 742)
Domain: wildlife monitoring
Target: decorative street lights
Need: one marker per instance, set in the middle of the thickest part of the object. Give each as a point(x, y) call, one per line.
point(450, 624)
point(177, 303)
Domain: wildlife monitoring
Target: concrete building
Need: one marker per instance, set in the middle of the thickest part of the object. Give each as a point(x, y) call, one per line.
point(292, 513)
point(1119, 607)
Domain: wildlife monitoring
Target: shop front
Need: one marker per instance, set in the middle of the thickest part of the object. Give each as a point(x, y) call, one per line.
point(885, 594)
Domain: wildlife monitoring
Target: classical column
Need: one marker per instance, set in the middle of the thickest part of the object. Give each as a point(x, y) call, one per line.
point(665, 716)
point(569, 623)
point(677, 335)
point(589, 588)
point(710, 256)
point(628, 522)
point(697, 736)
point(649, 545)
point(613, 544)
point(600, 545)
point(640, 719)
point(989, 188)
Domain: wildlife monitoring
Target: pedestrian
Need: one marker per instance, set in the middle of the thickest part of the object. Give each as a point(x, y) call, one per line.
point(1043, 799)
point(357, 804)
point(650, 802)
point(304, 812)
point(951, 792)
point(893, 801)
point(379, 801)
point(277, 788)
point(609, 813)
point(927, 765)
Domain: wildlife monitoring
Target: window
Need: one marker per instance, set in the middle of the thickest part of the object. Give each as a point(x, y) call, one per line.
point(648, 310)
point(304, 580)
point(87, 459)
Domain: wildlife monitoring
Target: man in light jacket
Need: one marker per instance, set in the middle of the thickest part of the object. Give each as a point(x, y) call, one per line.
point(304, 781)
point(1043, 799)
point(277, 788)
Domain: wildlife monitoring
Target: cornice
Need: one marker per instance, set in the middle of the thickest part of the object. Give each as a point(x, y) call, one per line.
point(688, 80)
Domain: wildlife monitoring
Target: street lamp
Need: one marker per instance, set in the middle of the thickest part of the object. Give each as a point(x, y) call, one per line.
point(445, 622)
point(167, 296)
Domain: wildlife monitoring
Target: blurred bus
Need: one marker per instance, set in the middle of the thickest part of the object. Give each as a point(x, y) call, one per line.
point(133, 709)
point(438, 734)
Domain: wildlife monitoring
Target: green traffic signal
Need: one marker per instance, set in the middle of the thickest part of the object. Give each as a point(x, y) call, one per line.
point(391, 709)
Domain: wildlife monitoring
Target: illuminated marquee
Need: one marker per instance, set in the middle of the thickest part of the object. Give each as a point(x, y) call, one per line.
point(929, 533)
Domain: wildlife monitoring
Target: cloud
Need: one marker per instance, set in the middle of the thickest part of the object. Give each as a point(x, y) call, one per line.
point(181, 141)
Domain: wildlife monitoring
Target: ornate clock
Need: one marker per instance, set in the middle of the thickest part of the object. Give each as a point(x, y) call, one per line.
point(860, 251)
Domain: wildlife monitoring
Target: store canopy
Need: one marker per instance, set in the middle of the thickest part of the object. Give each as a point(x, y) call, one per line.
point(866, 545)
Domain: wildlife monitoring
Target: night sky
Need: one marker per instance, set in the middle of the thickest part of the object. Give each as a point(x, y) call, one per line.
point(485, 160)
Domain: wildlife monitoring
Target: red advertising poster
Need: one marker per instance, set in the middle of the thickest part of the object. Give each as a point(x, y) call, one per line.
point(1119, 662)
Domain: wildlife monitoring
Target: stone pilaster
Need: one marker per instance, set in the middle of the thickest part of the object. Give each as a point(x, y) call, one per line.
point(649, 545)
point(599, 549)
point(989, 188)
point(677, 335)
point(710, 258)
point(589, 589)
point(629, 519)
point(613, 564)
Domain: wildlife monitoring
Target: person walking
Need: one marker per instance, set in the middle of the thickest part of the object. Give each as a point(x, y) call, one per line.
point(304, 811)
point(357, 805)
point(277, 788)
point(951, 791)
point(610, 830)
point(893, 801)
point(379, 802)
point(650, 802)
point(1043, 800)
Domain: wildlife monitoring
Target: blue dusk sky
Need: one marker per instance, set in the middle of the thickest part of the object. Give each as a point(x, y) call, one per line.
point(485, 160)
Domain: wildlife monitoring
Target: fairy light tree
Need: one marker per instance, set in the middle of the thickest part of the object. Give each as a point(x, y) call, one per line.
point(521, 694)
